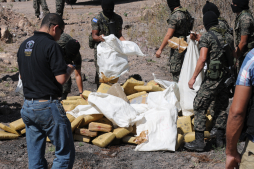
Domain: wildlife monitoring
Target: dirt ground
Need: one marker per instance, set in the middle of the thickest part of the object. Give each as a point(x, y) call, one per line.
point(13, 153)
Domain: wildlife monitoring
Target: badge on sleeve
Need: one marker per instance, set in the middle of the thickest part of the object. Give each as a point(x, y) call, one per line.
point(95, 20)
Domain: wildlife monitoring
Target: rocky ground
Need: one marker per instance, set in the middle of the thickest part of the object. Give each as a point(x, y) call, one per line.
point(143, 24)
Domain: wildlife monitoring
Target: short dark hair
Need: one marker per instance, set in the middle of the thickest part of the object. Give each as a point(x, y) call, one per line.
point(52, 18)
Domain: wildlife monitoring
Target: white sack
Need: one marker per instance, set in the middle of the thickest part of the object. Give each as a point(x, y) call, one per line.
point(83, 110)
point(112, 56)
point(160, 120)
point(140, 108)
point(187, 95)
point(118, 111)
point(163, 83)
point(19, 88)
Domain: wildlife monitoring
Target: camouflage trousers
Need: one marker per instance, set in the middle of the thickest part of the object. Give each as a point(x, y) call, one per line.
point(60, 7)
point(44, 6)
point(97, 77)
point(211, 90)
point(176, 62)
point(67, 86)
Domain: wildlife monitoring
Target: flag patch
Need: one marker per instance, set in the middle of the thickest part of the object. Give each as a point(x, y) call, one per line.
point(95, 20)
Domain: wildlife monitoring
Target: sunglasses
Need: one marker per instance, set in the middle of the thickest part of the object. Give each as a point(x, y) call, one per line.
point(58, 27)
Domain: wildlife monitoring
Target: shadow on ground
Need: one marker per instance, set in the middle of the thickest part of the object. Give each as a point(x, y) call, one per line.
point(98, 2)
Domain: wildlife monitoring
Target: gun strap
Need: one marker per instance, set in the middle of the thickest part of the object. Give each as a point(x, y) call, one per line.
point(215, 37)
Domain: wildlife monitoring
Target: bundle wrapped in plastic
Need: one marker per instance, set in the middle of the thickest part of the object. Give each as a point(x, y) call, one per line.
point(178, 43)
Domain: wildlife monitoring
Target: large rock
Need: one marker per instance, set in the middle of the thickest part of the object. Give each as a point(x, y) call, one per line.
point(5, 34)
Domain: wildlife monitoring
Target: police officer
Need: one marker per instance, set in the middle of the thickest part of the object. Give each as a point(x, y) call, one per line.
point(105, 23)
point(180, 24)
point(213, 86)
point(72, 56)
point(244, 30)
point(44, 6)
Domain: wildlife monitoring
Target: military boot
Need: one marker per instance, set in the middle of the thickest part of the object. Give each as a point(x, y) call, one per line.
point(220, 138)
point(198, 144)
point(213, 132)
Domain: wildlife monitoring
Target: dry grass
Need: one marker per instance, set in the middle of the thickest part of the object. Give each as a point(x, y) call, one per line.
point(157, 23)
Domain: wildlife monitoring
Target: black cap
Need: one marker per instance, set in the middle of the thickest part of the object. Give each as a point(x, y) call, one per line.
point(172, 4)
point(210, 19)
point(243, 4)
point(209, 6)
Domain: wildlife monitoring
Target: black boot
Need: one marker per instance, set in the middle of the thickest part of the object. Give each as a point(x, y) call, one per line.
point(213, 132)
point(198, 144)
point(220, 138)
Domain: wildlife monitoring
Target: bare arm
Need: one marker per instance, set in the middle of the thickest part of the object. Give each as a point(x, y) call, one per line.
point(96, 37)
point(241, 45)
point(79, 81)
point(235, 122)
point(165, 41)
point(199, 67)
point(63, 78)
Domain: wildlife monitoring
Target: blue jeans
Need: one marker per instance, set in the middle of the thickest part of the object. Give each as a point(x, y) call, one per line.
point(44, 119)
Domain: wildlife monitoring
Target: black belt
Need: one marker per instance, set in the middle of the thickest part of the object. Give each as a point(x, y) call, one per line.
point(55, 97)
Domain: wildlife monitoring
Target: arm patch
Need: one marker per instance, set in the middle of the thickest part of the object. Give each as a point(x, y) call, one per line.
point(95, 20)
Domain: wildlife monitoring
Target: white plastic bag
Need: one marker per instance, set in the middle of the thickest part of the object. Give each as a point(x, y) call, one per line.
point(115, 109)
point(83, 110)
point(19, 88)
point(160, 121)
point(112, 56)
point(187, 95)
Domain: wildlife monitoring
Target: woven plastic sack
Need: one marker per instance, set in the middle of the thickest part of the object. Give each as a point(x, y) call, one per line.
point(112, 57)
point(187, 95)
point(19, 88)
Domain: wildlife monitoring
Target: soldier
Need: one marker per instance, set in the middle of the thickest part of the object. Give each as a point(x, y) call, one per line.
point(105, 23)
point(60, 7)
point(244, 30)
point(180, 24)
point(72, 56)
point(44, 6)
point(213, 86)
point(209, 6)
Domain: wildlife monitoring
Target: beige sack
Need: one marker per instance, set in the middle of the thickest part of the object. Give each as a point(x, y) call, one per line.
point(23, 131)
point(105, 79)
point(99, 127)
point(121, 132)
point(75, 124)
point(117, 90)
point(104, 120)
point(178, 43)
point(8, 129)
point(189, 137)
point(82, 102)
point(18, 124)
point(86, 93)
point(69, 107)
point(70, 117)
point(184, 123)
point(7, 136)
point(91, 118)
point(130, 84)
point(129, 139)
point(86, 132)
point(148, 88)
point(179, 141)
point(133, 96)
point(82, 138)
point(103, 88)
point(142, 137)
point(73, 98)
point(104, 139)
point(70, 102)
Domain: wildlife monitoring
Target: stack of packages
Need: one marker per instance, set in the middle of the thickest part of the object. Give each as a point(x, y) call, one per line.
point(185, 127)
point(16, 129)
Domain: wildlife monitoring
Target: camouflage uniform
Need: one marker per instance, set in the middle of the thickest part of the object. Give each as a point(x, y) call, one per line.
point(178, 21)
point(223, 25)
point(44, 6)
point(78, 61)
point(60, 7)
point(100, 23)
point(244, 25)
point(212, 89)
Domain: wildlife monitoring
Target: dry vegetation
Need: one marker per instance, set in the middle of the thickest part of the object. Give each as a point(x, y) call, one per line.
point(157, 22)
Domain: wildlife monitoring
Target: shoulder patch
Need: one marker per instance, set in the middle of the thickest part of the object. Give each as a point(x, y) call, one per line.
point(95, 20)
